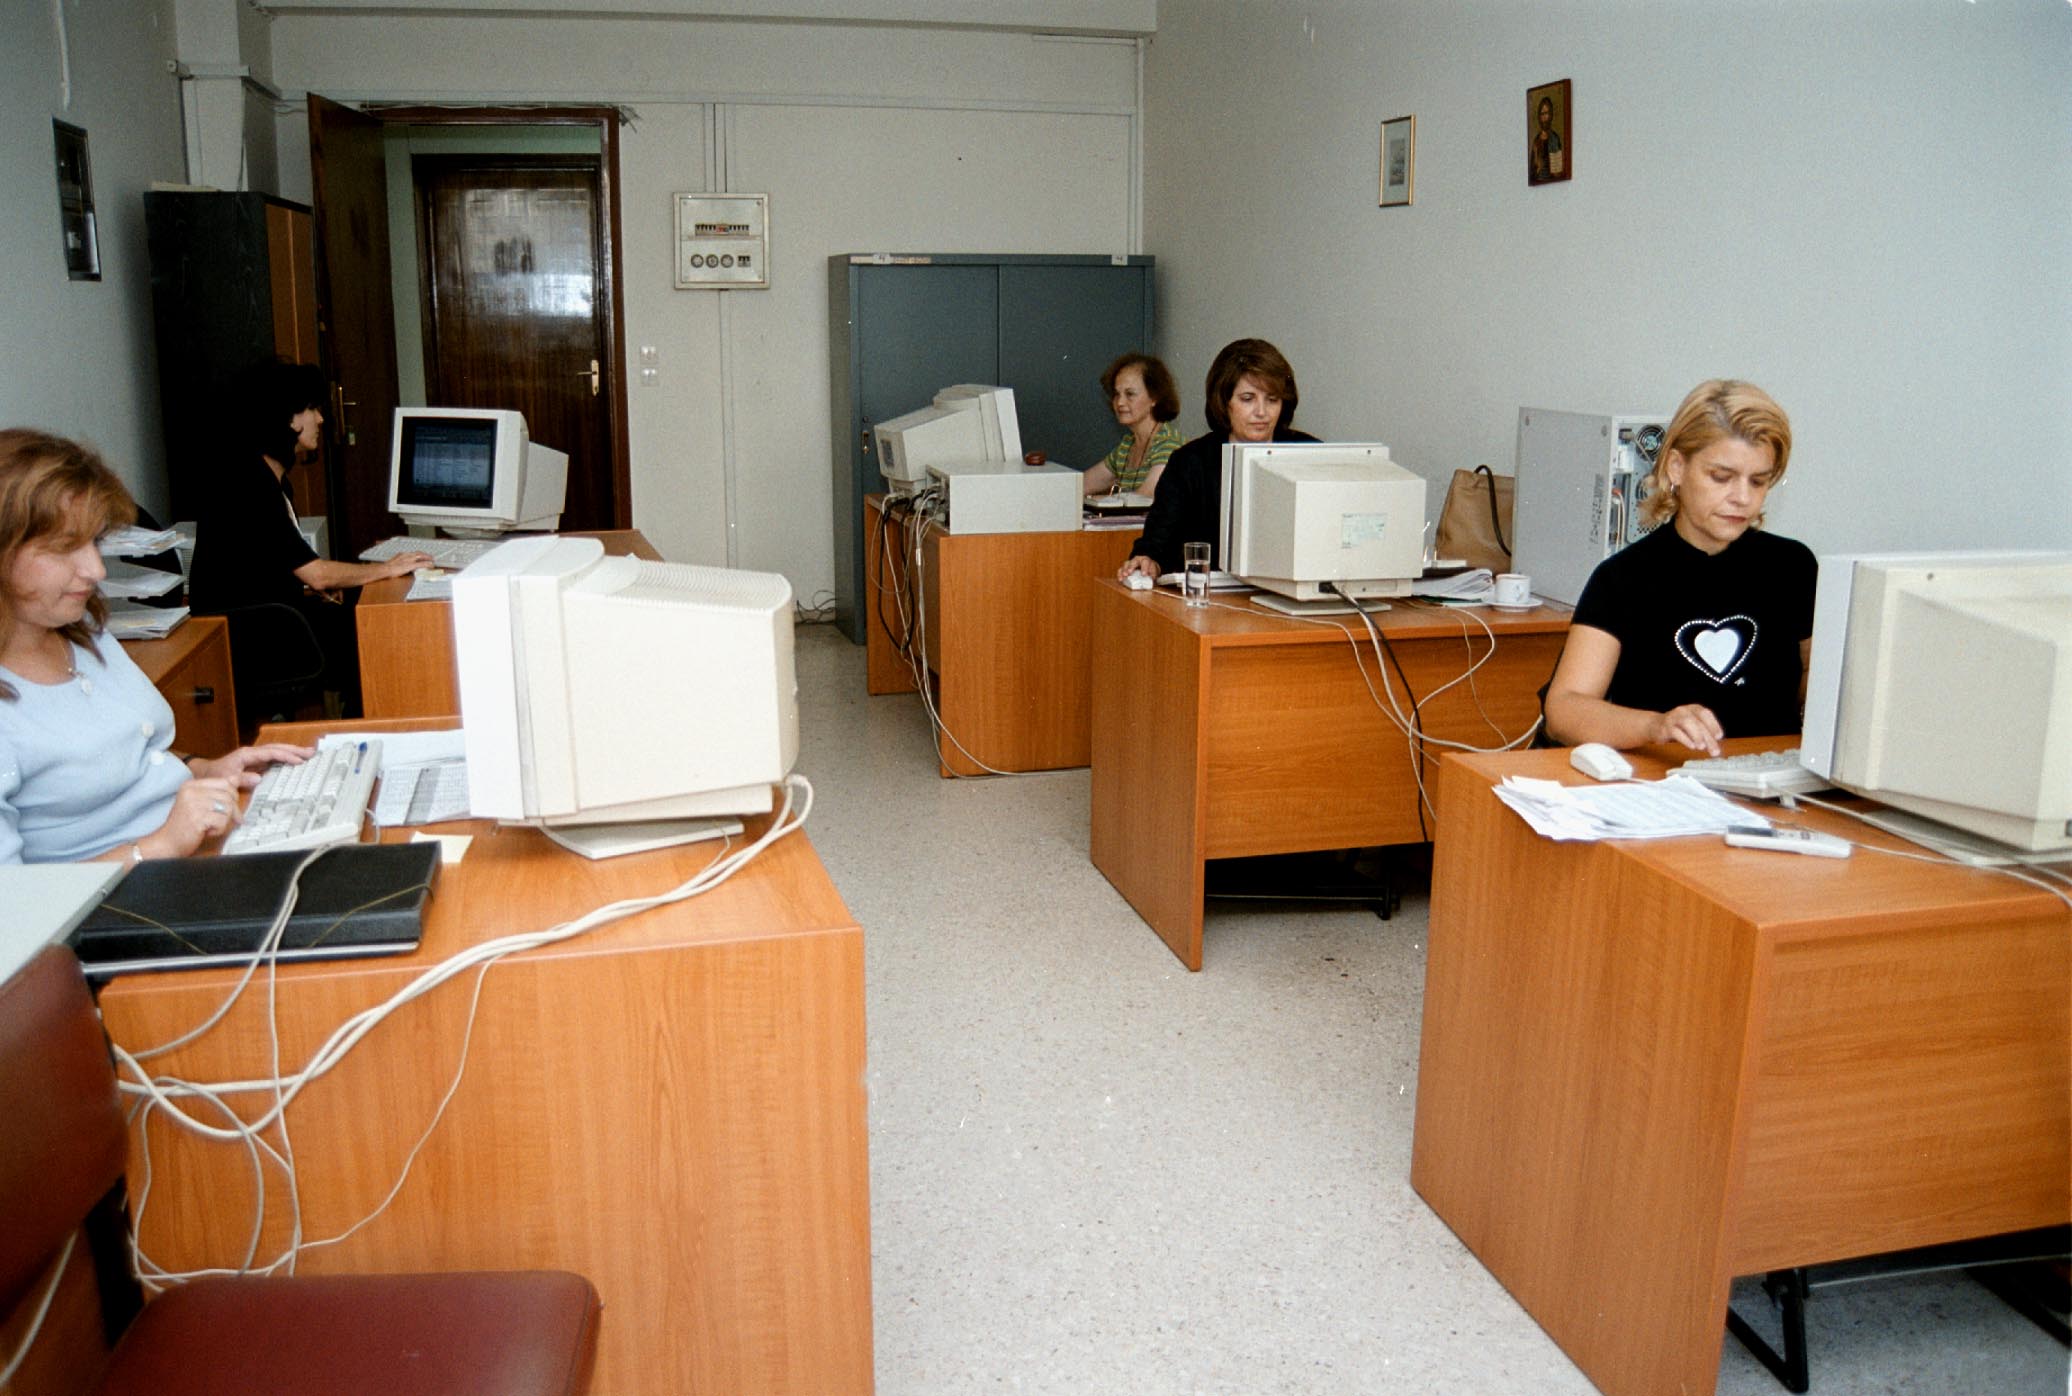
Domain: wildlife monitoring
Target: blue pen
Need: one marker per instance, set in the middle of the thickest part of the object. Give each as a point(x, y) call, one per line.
point(358, 757)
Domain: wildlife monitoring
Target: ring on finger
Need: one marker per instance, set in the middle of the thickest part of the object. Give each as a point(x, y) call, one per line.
point(219, 807)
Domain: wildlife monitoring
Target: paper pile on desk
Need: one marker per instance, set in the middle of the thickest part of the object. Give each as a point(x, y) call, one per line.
point(1472, 586)
point(424, 777)
point(1672, 807)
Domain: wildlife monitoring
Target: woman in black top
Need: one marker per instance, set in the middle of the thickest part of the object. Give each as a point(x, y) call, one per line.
point(248, 547)
point(1250, 396)
point(1702, 629)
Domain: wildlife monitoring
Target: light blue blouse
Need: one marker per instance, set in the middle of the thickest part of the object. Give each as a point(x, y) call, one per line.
point(85, 765)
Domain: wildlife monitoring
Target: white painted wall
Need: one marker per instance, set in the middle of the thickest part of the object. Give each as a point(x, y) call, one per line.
point(1863, 205)
point(76, 357)
point(865, 138)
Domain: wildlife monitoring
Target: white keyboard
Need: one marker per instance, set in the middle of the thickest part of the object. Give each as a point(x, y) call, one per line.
point(314, 805)
point(450, 553)
point(1763, 774)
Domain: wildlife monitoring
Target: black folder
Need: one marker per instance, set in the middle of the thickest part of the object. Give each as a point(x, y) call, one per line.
point(180, 913)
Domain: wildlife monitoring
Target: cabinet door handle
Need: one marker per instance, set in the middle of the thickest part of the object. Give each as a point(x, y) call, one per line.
point(591, 374)
point(204, 695)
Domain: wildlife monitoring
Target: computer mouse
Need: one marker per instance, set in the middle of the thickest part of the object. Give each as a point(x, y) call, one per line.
point(1137, 581)
point(1600, 762)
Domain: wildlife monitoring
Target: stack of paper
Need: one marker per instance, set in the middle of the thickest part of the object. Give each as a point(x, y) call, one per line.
point(144, 622)
point(1472, 586)
point(1672, 807)
point(142, 542)
point(127, 580)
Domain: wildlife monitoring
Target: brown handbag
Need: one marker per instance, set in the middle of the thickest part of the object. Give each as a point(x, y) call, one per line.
point(1475, 522)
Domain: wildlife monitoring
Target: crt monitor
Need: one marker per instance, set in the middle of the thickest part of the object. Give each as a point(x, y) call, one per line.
point(1298, 514)
point(600, 689)
point(1002, 426)
point(1941, 685)
point(966, 423)
point(473, 470)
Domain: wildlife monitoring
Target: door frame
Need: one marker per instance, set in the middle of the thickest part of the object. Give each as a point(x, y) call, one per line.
point(612, 301)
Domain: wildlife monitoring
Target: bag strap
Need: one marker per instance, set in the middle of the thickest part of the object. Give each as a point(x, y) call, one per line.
point(1496, 523)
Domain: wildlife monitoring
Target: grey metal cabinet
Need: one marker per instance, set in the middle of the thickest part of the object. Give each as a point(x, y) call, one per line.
point(903, 327)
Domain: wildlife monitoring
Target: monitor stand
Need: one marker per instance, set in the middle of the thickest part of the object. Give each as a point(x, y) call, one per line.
point(1958, 845)
point(611, 840)
point(1329, 606)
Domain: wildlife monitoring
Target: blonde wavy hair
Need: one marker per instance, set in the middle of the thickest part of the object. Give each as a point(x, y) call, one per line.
point(58, 492)
point(1718, 409)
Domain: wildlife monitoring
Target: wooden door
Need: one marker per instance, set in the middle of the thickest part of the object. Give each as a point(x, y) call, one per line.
point(356, 318)
point(515, 306)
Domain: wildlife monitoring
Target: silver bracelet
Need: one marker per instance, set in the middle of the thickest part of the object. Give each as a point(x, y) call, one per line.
point(137, 852)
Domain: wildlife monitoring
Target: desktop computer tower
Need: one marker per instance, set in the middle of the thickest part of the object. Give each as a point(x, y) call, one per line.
point(1579, 478)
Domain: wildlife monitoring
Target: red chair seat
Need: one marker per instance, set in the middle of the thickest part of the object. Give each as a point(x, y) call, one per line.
point(495, 1333)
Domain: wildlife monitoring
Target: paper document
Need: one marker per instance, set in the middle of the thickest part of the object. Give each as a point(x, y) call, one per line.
point(142, 542)
point(144, 622)
point(1472, 585)
point(429, 585)
point(126, 579)
point(1673, 807)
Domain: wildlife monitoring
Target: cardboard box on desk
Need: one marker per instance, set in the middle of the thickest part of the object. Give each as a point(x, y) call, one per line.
point(1008, 497)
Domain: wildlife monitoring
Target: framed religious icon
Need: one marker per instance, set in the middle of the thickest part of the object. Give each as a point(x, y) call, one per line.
point(1550, 138)
point(1398, 160)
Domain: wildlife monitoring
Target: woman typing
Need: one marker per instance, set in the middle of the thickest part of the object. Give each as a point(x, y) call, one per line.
point(1702, 629)
point(86, 763)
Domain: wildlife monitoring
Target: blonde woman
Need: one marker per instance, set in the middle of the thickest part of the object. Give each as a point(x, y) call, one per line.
point(1701, 630)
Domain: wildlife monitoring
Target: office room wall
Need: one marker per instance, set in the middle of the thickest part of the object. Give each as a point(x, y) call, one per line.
point(1862, 205)
point(873, 137)
point(77, 357)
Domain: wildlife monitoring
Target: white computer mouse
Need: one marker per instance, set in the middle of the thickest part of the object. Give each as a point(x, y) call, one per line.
point(1137, 581)
point(1600, 762)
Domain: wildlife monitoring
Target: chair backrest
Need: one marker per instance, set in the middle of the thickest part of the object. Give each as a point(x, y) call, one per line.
point(63, 1143)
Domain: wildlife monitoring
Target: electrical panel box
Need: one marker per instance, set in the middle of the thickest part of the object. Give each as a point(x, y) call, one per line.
point(1009, 497)
point(722, 242)
point(1581, 477)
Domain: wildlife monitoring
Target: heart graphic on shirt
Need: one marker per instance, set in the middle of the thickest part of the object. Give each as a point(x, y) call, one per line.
point(1717, 647)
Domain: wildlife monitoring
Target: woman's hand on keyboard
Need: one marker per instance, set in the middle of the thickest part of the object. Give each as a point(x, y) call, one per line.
point(1693, 725)
point(204, 808)
point(243, 767)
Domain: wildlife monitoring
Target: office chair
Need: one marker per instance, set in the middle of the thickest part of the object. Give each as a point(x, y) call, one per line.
point(62, 1155)
point(276, 662)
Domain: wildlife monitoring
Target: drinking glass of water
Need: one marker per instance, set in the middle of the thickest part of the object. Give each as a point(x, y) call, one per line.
point(1194, 580)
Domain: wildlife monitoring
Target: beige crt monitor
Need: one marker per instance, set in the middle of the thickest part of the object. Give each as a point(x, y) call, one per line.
point(1941, 684)
point(1298, 515)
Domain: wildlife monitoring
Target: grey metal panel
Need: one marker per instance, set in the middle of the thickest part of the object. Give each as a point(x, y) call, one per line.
point(1042, 325)
point(1059, 327)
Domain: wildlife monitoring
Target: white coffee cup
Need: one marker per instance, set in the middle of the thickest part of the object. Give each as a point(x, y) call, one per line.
point(1513, 589)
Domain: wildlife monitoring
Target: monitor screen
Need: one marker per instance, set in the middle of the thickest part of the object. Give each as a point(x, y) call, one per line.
point(447, 461)
point(1941, 684)
point(473, 470)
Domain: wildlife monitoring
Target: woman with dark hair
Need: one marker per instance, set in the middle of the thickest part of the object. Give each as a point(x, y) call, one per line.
point(248, 546)
point(1251, 396)
point(87, 769)
point(1144, 398)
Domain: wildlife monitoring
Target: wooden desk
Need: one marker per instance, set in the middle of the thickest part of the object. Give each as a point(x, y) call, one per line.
point(1649, 1067)
point(672, 1105)
point(1220, 733)
point(1007, 636)
point(191, 667)
point(406, 647)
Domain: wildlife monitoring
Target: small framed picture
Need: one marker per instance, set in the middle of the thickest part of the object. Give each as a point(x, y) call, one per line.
point(76, 203)
point(1550, 138)
point(1398, 160)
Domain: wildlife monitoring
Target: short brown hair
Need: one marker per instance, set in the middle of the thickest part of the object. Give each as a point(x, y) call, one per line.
point(1716, 410)
point(1259, 360)
point(50, 488)
point(1158, 381)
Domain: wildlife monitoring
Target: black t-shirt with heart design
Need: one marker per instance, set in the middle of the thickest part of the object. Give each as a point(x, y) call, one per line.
point(1722, 629)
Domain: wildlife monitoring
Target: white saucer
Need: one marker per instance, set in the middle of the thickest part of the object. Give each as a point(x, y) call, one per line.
point(1500, 606)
